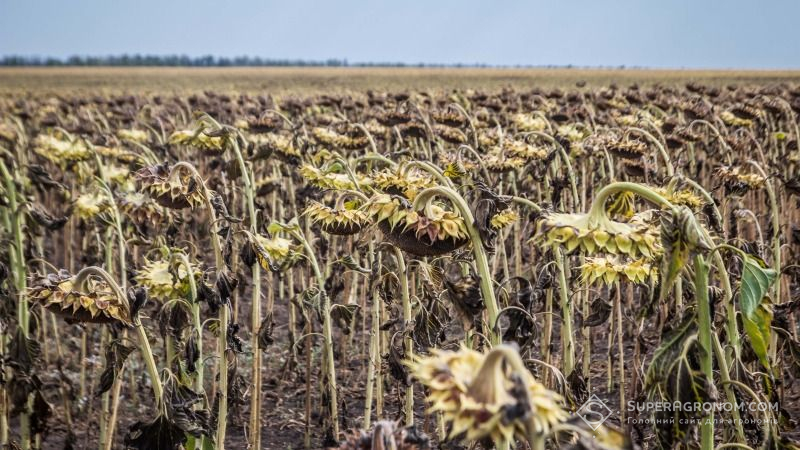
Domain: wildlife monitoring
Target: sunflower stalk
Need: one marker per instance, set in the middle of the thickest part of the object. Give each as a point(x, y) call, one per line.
point(423, 199)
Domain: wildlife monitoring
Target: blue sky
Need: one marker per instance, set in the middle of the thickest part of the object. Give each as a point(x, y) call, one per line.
point(649, 33)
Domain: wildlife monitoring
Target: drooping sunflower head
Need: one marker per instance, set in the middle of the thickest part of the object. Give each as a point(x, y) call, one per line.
point(432, 231)
point(630, 149)
point(165, 281)
point(682, 197)
point(92, 203)
point(272, 253)
point(449, 117)
point(94, 302)
point(407, 184)
point(529, 122)
point(524, 150)
point(199, 140)
point(61, 149)
point(340, 221)
point(488, 395)
point(736, 181)
point(329, 179)
point(450, 135)
point(610, 269)
point(504, 218)
point(498, 161)
point(350, 137)
point(134, 135)
point(275, 144)
point(597, 235)
point(169, 188)
point(732, 120)
point(141, 208)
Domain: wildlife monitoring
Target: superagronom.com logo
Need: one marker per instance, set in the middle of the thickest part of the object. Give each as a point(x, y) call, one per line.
point(594, 412)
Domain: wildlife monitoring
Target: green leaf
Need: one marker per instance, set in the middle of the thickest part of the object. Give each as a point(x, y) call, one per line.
point(757, 327)
point(756, 312)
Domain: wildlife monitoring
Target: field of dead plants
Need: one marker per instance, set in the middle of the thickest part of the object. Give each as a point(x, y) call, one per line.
point(537, 263)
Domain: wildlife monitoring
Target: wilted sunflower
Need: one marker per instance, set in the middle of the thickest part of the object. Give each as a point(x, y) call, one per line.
point(450, 135)
point(504, 218)
point(573, 132)
point(141, 208)
point(732, 175)
point(96, 302)
point(610, 269)
point(497, 161)
point(732, 120)
point(331, 180)
point(597, 234)
point(275, 144)
point(681, 197)
point(60, 149)
point(528, 122)
point(91, 204)
point(171, 189)
point(524, 150)
point(489, 395)
point(115, 153)
point(627, 149)
point(132, 135)
point(165, 282)
point(431, 232)
point(353, 139)
point(449, 117)
point(340, 221)
point(272, 252)
point(407, 184)
point(198, 139)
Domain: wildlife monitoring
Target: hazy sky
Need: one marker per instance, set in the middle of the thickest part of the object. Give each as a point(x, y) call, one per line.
point(652, 33)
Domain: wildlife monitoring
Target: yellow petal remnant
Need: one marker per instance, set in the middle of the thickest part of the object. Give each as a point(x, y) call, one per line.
point(490, 395)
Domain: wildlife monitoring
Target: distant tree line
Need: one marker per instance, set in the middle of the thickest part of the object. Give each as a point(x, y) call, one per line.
point(198, 61)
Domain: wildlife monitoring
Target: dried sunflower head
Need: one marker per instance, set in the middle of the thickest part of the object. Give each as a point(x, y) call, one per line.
point(165, 281)
point(736, 179)
point(344, 221)
point(524, 150)
point(682, 197)
point(497, 161)
point(610, 269)
point(94, 302)
point(573, 132)
point(449, 117)
point(529, 122)
point(488, 395)
point(325, 179)
point(598, 234)
point(407, 184)
point(450, 135)
point(171, 189)
point(133, 135)
point(115, 153)
point(732, 120)
point(60, 149)
point(91, 204)
point(352, 139)
point(275, 144)
point(504, 218)
point(273, 252)
point(627, 149)
point(141, 208)
point(433, 231)
point(198, 139)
